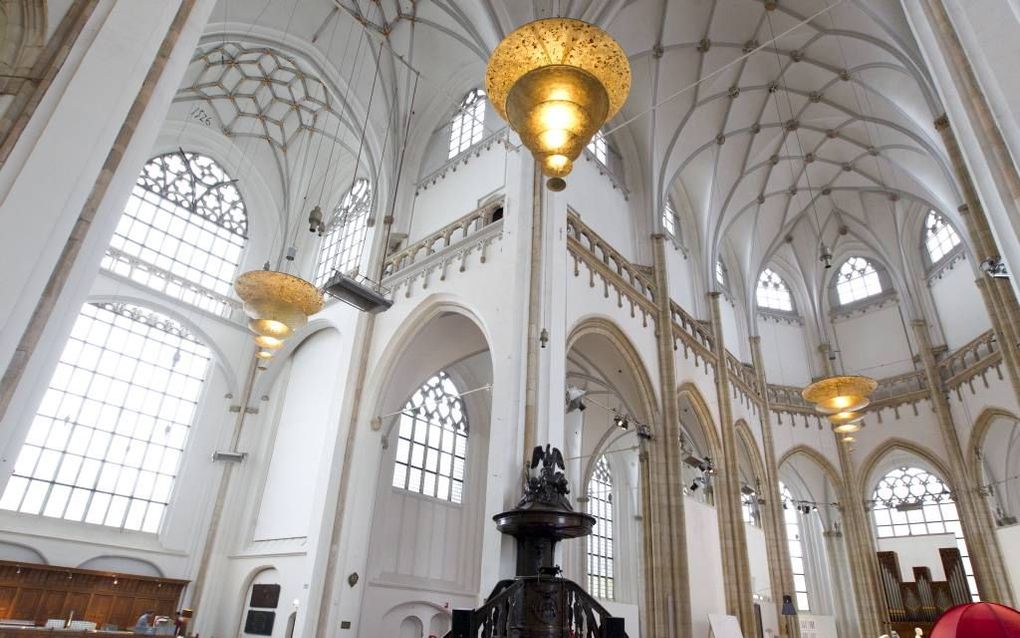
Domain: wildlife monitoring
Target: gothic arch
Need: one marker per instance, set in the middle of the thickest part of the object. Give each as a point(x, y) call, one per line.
point(634, 365)
point(978, 434)
point(866, 478)
point(830, 471)
point(704, 415)
point(750, 445)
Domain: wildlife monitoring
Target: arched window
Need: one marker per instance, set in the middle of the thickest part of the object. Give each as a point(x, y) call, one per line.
point(749, 505)
point(857, 279)
point(432, 445)
point(773, 292)
point(795, 543)
point(939, 237)
point(106, 442)
point(344, 242)
point(600, 543)
point(910, 501)
point(182, 231)
point(599, 147)
point(669, 221)
point(468, 123)
point(720, 273)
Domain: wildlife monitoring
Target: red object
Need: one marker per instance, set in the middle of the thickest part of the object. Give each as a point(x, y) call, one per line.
point(978, 620)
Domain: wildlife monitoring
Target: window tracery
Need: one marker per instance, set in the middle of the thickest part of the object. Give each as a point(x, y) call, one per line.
point(773, 292)
point(911, 501)
point(107, 439)
point(857, 279)
point(432, 441)
point(468, 124)
point(182, 231)
point(939, 237)
point(344, 243)
point(600, 543)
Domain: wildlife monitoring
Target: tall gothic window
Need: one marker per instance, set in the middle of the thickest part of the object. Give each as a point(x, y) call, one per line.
point(599, 147)
point(600, 543)
point(773, 292)
point(182, 231)
point(432, 444)
point(720, 273)
point(795, 543)
point(939, 237)
point(910, 501)
point(857, 279)
point(344, 242)
point(106, 443)
point(468, 123)
point(669, 223)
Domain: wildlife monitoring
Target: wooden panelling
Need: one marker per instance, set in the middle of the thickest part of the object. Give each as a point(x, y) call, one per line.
point(41, 592)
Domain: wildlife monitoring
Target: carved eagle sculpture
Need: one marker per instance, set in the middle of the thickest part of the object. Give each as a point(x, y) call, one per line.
point(548, 487)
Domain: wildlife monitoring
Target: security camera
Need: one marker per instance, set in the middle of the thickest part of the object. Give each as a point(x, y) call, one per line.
point(994, 267)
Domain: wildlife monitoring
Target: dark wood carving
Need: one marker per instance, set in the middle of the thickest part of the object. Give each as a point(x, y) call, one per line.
point(39, 592)
point(259, 623)
point(265, 596)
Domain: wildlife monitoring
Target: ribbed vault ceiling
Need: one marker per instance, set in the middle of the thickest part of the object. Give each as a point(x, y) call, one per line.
point(784, 129)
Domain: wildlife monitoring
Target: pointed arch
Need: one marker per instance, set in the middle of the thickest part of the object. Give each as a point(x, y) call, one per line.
point(689, 391)
point(815, 456)
point(866, 480)
point(979, 433)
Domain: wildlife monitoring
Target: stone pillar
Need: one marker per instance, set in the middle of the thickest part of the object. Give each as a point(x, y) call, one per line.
point(860, 543)
point(872, 611)
point(667, 583)
point(989, 570)
point(737, 569)
point(998, 295)
point(774, 525)
point(1003, 171)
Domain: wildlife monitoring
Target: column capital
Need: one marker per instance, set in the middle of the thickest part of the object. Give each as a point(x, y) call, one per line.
point(942, 123)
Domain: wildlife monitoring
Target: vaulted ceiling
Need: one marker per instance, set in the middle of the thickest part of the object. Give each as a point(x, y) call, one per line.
point(785, 127)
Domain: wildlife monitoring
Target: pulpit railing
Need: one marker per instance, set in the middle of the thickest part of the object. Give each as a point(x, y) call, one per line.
point(504, 613)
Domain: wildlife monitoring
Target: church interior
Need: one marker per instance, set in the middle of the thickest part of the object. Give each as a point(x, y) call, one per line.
point(559, 318)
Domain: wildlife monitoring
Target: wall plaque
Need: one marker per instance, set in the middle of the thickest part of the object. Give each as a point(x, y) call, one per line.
point(259, 623)
point(265, 596)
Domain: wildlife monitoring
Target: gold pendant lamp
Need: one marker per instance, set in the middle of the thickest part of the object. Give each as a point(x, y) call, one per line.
point(841, 399)
point(845, 393)
point(556, 82)
point(277, 304)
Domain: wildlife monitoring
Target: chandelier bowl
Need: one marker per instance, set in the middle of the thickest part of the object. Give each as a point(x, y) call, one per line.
point(276, 304)
point(557, 81)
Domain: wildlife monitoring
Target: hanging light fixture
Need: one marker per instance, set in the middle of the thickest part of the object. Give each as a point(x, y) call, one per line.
point(557, 81)
point(277, 304)
point(846, 422)
point(840, 394)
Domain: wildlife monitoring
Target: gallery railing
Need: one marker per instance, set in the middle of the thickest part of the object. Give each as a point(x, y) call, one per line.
point(971, 360)
point(628, 280)
point(449, 235)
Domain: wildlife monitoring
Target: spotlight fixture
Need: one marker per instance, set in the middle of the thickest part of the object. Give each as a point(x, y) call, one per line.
point(826, 257)
point(575, 398)
point(697, 483)
point(994, 267)
point(746, 490)
point(644, 432)
point(557, 81)
point(621, 422)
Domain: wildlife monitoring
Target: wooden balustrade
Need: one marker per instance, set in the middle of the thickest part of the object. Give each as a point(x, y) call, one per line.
point(447, 236)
